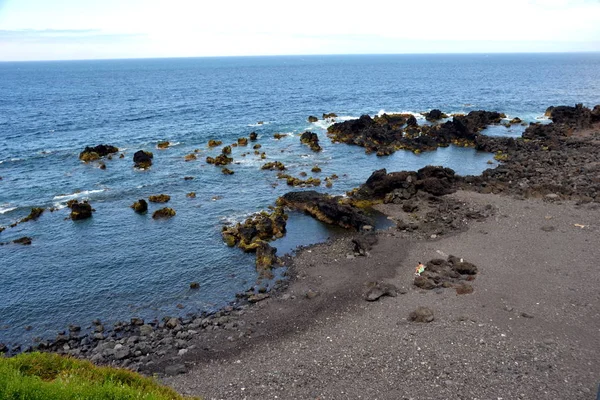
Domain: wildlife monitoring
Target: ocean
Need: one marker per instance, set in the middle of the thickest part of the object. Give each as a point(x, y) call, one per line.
point(119, 264)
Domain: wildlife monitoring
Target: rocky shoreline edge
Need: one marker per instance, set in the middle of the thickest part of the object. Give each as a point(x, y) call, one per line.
point(558, 161)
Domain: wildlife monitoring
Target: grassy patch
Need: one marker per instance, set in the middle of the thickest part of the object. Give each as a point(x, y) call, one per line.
point(47, 376)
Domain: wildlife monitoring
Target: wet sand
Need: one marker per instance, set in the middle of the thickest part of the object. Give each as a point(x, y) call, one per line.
point(530, 329)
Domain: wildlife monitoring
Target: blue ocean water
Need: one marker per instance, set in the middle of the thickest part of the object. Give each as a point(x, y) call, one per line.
point(119, 264)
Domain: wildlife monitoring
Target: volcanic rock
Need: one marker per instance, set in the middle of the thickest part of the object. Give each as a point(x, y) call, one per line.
point(140, 206)
point(159, 198)
point(80, 211)
point(143, 159)
point(325, 208)
point(97, 152)
point(164, 213)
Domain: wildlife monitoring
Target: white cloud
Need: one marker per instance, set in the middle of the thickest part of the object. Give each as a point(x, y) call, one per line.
point(193, 28)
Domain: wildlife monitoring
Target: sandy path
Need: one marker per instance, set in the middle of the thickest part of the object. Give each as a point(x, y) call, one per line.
point(530, 330)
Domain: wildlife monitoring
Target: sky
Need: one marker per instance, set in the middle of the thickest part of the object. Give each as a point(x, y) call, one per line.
point(85, 29)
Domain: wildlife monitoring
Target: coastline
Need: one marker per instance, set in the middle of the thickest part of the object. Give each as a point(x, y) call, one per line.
point(520, 245)
point(529, 329)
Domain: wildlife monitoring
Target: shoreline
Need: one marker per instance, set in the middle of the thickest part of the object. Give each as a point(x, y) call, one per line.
point(517, 335)
point(327, 281)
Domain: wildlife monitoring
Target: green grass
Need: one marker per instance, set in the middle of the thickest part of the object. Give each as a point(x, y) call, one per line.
point(45, 376)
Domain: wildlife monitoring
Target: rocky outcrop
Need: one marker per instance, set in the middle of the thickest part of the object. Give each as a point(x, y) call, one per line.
point(97, 152)
point(558, 159)
point(221, 159)
point(311, 139)
point(274, 165)
point(434, 115)
point(388, 133)
point(451, 273)
point(578, 117)
point(140, 206)
point(294, 181)
point(159, 198)
point(35, 213)
point(258, 228)
point(437, 181)
point(143, 159)
point(214, 143)
point(312, 118)
point(80, 211)
point(164, 213)
point(326, 209)
point(253, 136)
point(163, 145)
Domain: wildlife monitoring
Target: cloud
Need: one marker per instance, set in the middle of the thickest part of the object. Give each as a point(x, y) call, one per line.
point(62, 36)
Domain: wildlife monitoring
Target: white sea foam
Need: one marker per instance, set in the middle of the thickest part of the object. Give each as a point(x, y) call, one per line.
point(11, 160)
point(415, 114)
point(257, 124)
point(77, 195)
point(326, 123)
point(4, 208)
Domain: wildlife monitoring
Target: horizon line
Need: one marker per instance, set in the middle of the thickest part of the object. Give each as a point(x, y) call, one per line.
point(300, 55)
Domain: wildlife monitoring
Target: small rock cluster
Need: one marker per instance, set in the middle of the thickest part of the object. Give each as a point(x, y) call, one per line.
point(451, 273)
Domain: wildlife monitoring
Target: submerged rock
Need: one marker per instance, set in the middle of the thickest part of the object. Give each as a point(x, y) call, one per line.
point(312, 118)
point(253, 136)
point(143, 159)
point(214, 143)
point(163, 145)
point(25, 241)
point(97, 152)
point(140, 206)
point(35, 213)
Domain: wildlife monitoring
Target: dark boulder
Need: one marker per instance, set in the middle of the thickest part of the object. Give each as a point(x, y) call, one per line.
point(578, 117)
point(311, 139)
point(164, 213)
point(421, 314)
point(435, 115)
point(80, 211)
point(312, 118)
point(380, 183)
point(364, 243)
point(140, 206)
point(253, 136)
point(25, 241)
point(35, 213)
point(97, 152)
point(159, 198)
point(376, 290)
point(143, 159)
